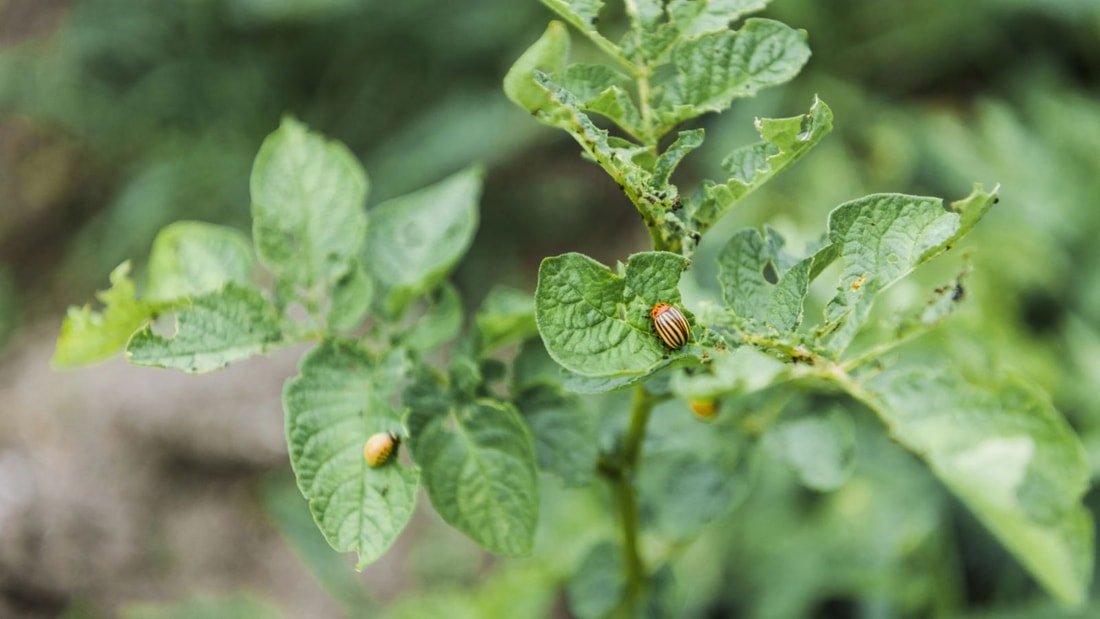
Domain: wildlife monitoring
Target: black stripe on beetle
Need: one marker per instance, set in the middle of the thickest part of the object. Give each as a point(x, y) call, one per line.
point(671, 325)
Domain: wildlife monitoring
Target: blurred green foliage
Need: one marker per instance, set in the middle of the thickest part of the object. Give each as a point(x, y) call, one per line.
point(163, 104)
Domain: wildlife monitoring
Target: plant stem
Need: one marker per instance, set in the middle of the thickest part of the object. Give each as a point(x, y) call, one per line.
point(641, 406)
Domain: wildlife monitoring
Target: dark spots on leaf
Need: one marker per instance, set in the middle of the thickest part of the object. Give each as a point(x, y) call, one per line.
point(997, 200)
point(595, 20)
point(959, 293)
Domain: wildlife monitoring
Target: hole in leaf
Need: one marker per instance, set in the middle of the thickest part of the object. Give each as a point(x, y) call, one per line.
point(771, 275)
point(165, 326)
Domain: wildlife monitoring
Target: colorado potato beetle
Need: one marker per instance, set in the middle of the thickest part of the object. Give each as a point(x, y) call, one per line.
point(380, 447)
point(672, 327)
point(704, 408)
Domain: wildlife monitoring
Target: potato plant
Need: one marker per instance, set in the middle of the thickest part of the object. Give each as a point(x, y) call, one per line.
point(488, 406)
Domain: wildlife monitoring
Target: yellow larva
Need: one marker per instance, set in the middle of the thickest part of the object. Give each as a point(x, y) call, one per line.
point(672, 327)
point(380, 447)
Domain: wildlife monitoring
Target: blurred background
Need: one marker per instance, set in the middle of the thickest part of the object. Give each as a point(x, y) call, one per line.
point(123, 489)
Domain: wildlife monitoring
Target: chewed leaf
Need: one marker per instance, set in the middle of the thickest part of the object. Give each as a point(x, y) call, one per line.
point(212, 331)
point(88, 336)
point(337, 402)
point(595, 322)
point(785, 141)
point(715, 68)
point(880, 239)
point(761, 283)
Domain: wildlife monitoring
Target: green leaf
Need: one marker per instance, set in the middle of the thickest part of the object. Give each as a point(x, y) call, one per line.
point(548, 55)
point(584, 15)
point(308, 195)
point(237, 605)
point(212, 331)
point(715, 68)
point(820, 448)
point(692, 17)
point(882, 238)
point(1008, 455)
point(88, 336)
point(761, 283)
point(595, 322)
point(478, 464)
point(440, 324)
point(603, 90)
point(615, 156)
point(506, 316)
point(351, 298)
point(785, 141)
point(339, 399)
point(598, 588)
point(686, 141)
point(691, 473)
point(415, 240)
point(533, 368)
point(740, 371)
point(190, 258)
point(565, 434)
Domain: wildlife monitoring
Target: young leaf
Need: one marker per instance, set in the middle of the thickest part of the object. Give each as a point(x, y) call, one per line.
point(415, 240)
point(212, 331)
point(760, 282)
point(506, 315)
point(440, 324)
point(566, 442)
point(715, 68)
point(616, 160)
point(595, 322)
point(686, 142)
point(584, 15)
point(603, 90)
point(308, 195)
point(191, 258)
point(820, 448)
point(339, 399)
point(785, 141)
point(692, 17)
point(478, 464)
point(740, 371)
point(548, 55)
point(882, 238)
point(1008, 455)
point(351, 298)
point(88, 336)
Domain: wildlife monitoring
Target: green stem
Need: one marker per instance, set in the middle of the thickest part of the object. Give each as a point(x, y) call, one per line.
point(623, 481)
